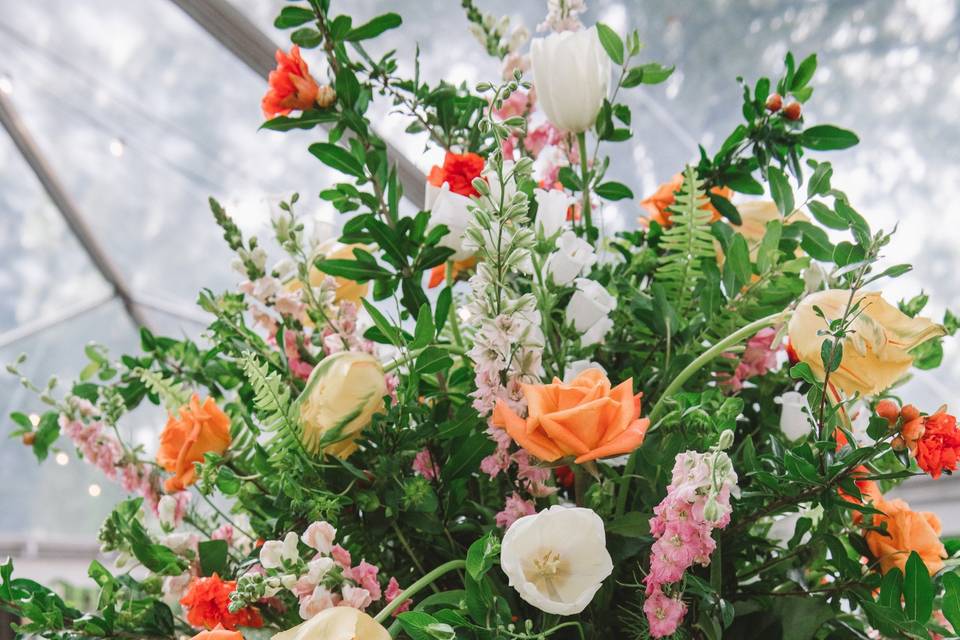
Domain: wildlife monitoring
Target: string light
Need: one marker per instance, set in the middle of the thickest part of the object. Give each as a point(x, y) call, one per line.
point(116, 147)
point(62, 459)
point(94, 490)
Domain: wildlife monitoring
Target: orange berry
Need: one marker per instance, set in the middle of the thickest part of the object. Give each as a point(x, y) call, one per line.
point(897, 444)
point(909, 413)
point(774, 102)
point(888, 409)
point(792, 111)
point(29, 437)
point(912, 431)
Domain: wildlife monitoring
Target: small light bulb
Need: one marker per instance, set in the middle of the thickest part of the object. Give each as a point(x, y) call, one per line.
point(94, 490)
point(62, 459)
point(6, 84)
point(34, 419)
point(116, 147)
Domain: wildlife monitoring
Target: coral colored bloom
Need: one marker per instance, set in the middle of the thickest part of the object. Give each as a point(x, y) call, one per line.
point(585, 418)
point(938, 448)
point(664, 613)
point(207, 602)
point(514, 509)
point(218, 633)
point(459, 172)
point(341, 556)
point(291, 85)
point(906, 531)
point(201, 428)
point(438, 274)
point(392, 593)
point(666, 194)
point(424, 465)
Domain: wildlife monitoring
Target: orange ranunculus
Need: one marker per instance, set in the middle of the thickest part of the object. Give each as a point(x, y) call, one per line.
point(199, 429)
point(666, 195)
point(938, 448)
point(906, 531)
point(207, 601)
point(459, 171)
point(291, 85)
point(439, 273)
point(876, 351)
point(218, 633)
point(585, 418)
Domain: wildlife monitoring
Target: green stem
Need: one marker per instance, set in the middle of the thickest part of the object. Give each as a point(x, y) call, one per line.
point(454, 320)
point(412, 355)
point(716, 350)
point(585, 184)
point(415, 588)
point(581, 482)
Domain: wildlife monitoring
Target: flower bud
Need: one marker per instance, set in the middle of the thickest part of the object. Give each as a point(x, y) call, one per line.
point(889, 410)
point(909, 413)
point(774, 102)
point(29, 437)
point(726, 439)
point(326, 96)
point(912, 432)
point(792, 111)
point(711, 510)
point(343, 393)
point(897, 444)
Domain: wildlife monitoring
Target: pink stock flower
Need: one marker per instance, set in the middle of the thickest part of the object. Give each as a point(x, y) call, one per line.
point(518, 104)
point(341, 556)
point(544, 135)
point(298, 367)
point(514, 509)
point(424, 465)
point(224, 532)
point(533, 477)
point(365, 575)
point(664, 613)
point(392, 593)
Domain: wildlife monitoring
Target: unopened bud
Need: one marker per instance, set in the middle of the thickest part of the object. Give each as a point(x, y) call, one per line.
point(711, 510)
point(726, 439)
point(792, 111)
point(909, 413)
point(897, 444)
point(29, 437)
point(326, 96)
point(774, 102)
point(888, 410)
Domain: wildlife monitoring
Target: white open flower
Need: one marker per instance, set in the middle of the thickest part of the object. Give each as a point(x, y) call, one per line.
point(589, 311)
point(572, 256)
point(794, 422)
point(274, 552)
point(552, 209)
point(451, 210)
point(557, 559)
point(571, 72)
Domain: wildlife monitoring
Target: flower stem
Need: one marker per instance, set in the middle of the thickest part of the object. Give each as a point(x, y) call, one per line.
point(454, 321)
point(704, 358)
point(413, 589)
point(412, 355)
point(585, 184)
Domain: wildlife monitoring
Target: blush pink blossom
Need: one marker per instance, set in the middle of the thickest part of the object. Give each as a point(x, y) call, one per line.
point(341, 556)
point(355, 597)
point(663, 613)
point(320, 599)
point(424, 465)
point(224, 532)
point(320, 536)
point(365, 575)
point(514, 509)
point(392, 593)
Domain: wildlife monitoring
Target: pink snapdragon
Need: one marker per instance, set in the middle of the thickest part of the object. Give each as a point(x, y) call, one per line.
point(392, 593)
point(365, 575)
point(341, 556)
point(424, 465)
point(697, 503)
point(514, 509)
point(758, 358)
point(298, 366)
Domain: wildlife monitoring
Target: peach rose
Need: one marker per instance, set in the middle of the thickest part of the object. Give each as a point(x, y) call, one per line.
point(585, 418)
point(200, 429)
point(219, 633)
point(666, 195)
point(876, 351)
point(907, 531)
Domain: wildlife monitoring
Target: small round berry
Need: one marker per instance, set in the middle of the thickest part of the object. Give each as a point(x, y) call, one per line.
point(774, 102)
point(888, 409)
point(792, 111)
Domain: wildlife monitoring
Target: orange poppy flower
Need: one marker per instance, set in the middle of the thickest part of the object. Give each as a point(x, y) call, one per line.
point(666, 194)
point(291, 85)
point(199, 429)
point(207, 603)
point(585, 418)
point(459, 171)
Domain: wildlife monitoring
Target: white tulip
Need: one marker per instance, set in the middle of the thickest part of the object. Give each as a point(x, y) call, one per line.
point(794, 422)
point(572, 256)
point(552, 209)
point(571, 73)
point(589, 310)
point(557, 559)
point(273, 553)
point(451, 210)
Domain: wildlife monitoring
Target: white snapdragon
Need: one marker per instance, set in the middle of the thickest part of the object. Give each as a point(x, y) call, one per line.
point(572, 256)
point(273, 553)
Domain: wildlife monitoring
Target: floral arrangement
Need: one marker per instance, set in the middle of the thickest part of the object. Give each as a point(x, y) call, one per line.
point(491, 418)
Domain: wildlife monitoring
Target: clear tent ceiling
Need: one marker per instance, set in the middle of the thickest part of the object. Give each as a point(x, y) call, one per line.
point(143, 115)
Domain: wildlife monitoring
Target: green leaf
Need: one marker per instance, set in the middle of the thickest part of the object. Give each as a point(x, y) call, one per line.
point(651, 73)
point(802, 371)
point(442, 311)
point(423, 333)
point(820, 180)
point(725, 208)
point(826, 137)
point(46, 434)
point(917, 590)
point(743, 183)
point(213, 557)
point(804, 73)
point(631, 525)
point(375, 27)
point(815, 241)
point(736, 265)
point(769, 246)
point(415, 623)
point(950, 605)
point(861, 229)
point(391, 332)
point(481, 555)
point(831, 353)
point(611, 42)
point(308, 38)
point(780, 190)
point(613, 191)
point(352, 269)
point(432, 360)
point(891, 587)
point(825, 215)
point(337, 157)
point(293, 17)
point(846, 253)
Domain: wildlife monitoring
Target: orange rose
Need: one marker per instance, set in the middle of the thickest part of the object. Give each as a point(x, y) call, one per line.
point(201, 428)
point(291, 85)
point(585, 418)
point(666, 195)
point(219, 633)
point(906, 531)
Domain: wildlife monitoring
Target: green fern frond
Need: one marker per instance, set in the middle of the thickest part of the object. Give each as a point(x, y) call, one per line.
point(273, 405)
point(685, 243)
point(172, 394)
